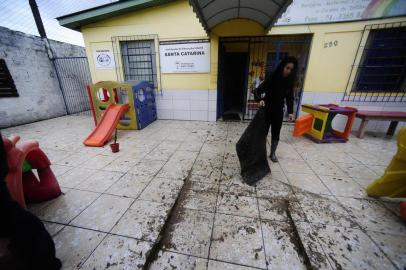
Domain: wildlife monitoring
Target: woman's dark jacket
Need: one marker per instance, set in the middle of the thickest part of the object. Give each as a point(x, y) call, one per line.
point(276, 89)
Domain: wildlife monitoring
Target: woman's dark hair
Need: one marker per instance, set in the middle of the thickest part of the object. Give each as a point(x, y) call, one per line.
point(278, 73)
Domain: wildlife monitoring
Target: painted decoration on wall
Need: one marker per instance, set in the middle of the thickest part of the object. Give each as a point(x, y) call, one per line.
point(325, 11)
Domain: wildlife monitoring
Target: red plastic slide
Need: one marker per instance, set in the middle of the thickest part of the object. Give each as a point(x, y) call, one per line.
point(108, 123)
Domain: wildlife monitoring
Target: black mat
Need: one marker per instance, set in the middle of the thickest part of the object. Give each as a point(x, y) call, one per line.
point(231, 117)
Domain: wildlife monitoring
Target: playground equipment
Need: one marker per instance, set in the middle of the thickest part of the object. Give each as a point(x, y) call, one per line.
point(393, 181)
point(22, 183)
point(119, 105)
point(318, 123)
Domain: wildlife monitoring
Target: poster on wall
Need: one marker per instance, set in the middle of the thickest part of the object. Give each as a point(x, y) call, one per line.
point(185, 56)
point(325, 11)
point(104, 59)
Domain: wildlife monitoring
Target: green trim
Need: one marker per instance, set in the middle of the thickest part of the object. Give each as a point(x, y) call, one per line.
point(318, 124)
point(76, 20)
point(26, 166)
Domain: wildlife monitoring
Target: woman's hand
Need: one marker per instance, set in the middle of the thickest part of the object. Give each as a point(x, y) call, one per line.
point(291, 118)
point(262, 103)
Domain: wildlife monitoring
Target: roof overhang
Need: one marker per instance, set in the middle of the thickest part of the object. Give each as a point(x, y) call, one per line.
point(214, 12)
point(76, 20)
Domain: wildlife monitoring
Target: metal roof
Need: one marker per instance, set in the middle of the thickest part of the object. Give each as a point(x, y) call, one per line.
point(76, 20)
point(209, 12)
point(213, 12)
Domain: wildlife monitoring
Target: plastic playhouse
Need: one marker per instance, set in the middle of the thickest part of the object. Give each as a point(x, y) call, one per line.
point(317, 125)
point(22, 183)
point(114, 105)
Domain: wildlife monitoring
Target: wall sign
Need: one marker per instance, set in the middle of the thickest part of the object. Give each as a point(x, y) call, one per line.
point(185, 56)
point(325, 11)
point(104, 59)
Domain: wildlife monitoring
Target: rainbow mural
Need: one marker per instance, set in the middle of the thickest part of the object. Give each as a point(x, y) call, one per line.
point(384, 8)
point(323, 11)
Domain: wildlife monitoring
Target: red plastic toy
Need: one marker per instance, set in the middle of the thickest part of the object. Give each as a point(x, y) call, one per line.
point(403, 210)
point(25, 187)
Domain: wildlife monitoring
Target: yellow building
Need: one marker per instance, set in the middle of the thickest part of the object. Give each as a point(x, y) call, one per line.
point(204, 56)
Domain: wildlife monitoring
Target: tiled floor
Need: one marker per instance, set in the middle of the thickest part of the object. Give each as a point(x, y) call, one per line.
point(172, 198)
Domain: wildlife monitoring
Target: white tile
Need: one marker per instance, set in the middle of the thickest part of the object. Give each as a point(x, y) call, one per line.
point(212, 105)
point(212, 94)
point(165, 114)
point(339, 97)
point(180, 94)
point(116, 252)
point(349, 103)
point(74, 245)
point(212, 116)
point(104, 213)
point(158, 97)
point(199, 105)
point(199, 115)
point(181, 115)
point(170, 260)
point(365, 107)
point(164, 104)
point(307, 97)
point(199, 95)
point(400, 106)
point(181, 104)
point(191, 234)
point(165, 94)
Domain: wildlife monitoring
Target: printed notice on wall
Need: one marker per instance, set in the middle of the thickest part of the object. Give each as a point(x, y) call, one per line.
point(185, 57)
point(104, 59)
point(325, 11)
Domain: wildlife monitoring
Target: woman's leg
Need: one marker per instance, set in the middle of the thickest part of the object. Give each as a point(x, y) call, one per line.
point(276, 125)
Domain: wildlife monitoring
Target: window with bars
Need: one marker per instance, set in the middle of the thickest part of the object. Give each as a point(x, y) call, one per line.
point(139, 60)
point(382, 67)
point(7, 86)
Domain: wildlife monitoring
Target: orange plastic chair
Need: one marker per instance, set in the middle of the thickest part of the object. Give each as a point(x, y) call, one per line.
point(303, 124)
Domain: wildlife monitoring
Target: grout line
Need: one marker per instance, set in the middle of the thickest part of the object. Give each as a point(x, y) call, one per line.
point(262, 231)
point(217, 199)
point(208, 260)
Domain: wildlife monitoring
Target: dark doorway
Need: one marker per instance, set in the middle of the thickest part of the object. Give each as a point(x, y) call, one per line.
point(255, 58)
point(234, 87)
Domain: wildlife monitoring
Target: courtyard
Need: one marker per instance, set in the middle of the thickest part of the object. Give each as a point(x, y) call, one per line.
point(172, 198)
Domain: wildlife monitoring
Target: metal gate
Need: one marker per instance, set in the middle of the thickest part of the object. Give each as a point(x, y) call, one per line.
point(73, 76)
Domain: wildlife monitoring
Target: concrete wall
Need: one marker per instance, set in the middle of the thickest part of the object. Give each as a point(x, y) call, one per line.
point(34, 76)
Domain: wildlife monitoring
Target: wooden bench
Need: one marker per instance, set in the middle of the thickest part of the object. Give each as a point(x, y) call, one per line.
point(394, 117)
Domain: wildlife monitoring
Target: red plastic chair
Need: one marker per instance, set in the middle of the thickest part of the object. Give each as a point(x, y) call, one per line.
point(26, 187)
